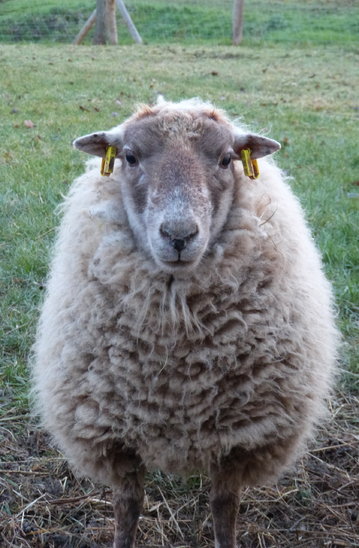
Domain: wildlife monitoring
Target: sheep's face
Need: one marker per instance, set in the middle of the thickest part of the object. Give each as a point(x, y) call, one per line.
point(178, 186)
point(177, 177)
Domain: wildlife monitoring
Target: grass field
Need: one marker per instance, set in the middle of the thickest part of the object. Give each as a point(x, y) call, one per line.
point(306, 97)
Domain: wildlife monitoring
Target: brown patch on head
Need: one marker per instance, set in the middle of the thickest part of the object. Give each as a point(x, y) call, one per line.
point(193, 111)
point(215, 115)
point(152, 126)
point(144, 111)
point(194, 126)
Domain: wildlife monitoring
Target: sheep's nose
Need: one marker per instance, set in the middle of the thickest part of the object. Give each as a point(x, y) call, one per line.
point(178, 244)
point(179, 236)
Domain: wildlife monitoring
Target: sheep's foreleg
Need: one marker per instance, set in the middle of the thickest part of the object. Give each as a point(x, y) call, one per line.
point(225, 505)
point(127, 505)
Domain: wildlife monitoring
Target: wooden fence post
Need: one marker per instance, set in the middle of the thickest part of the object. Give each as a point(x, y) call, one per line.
point(237, 26)
point(85, 29)
point(111, 25)
point(127, 18)
point(100, 29)
point(106, 26)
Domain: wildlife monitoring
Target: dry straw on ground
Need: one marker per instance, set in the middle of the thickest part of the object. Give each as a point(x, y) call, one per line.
point(316, 505)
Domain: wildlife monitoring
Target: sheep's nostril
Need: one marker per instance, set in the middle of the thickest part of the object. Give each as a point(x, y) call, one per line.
point(178, 244)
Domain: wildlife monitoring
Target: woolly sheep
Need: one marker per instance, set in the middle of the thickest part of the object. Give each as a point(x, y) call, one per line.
point(187, 325)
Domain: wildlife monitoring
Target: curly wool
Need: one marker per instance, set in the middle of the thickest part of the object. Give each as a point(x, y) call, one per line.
point(240, 353)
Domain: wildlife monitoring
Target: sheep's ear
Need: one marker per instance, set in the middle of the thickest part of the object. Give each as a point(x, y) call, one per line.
point(97, 143)
point(258, 145)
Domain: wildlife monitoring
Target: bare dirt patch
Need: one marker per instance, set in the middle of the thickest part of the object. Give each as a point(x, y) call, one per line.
point(43, 505)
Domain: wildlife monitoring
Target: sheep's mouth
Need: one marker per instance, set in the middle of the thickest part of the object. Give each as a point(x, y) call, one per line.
point(178, 266)
point(181, 261)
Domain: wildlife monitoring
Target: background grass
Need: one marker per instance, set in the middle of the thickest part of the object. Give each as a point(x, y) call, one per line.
point(304, 97)
point(198, 21)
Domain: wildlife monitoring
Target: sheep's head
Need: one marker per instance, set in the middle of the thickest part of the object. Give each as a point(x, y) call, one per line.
point(177, 176)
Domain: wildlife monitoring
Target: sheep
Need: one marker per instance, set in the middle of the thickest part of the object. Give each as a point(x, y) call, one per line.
point(187, 325)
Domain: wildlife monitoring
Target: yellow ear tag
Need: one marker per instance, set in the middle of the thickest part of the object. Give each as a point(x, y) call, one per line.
point(108, 161)
point(250, 165)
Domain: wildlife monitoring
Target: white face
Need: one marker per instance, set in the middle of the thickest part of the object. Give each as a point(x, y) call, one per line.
point(177, 191)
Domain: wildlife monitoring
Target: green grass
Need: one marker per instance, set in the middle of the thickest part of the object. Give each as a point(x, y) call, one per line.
point(202, 21)
point(306, 97)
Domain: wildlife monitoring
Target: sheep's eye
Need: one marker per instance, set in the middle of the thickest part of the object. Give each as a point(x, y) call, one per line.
point(131, 159)
point(225, 161)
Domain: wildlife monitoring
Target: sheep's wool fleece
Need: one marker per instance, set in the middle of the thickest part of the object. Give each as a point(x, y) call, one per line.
point(180, 371)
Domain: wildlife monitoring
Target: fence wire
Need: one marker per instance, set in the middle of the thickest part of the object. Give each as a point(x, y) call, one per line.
point(186, 21)
point(156, 20)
